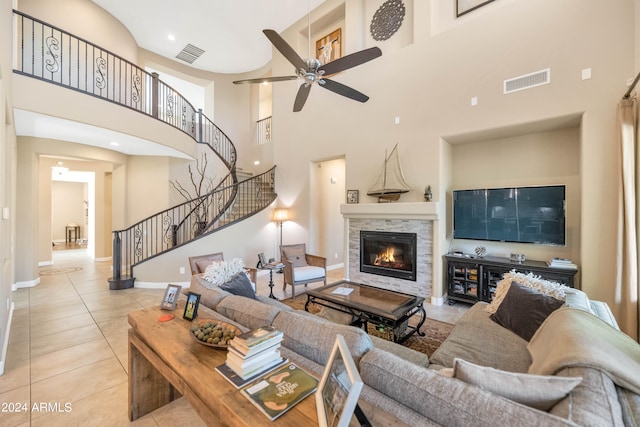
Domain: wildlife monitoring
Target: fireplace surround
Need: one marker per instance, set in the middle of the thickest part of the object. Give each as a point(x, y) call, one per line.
point(410, 217)
point(391, 254)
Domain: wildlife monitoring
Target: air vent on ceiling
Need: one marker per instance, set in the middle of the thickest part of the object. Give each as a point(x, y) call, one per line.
point(190, 53)
point(528, 81)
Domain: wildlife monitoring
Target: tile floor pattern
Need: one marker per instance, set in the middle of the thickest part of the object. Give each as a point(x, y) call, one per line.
point(67, 359)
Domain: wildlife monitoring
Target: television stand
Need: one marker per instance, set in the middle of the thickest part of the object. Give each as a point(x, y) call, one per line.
point(471, 279)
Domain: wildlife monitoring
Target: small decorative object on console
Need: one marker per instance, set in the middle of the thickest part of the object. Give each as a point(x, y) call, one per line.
point(517, 257)
point(191, 307)
point(428, 194)
point(170, 297)
point(213, 332)
point(481, 251)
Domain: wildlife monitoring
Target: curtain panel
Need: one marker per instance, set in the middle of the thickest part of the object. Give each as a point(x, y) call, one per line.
point(627, 256)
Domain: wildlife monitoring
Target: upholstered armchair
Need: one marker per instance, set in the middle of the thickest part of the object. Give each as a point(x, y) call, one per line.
point(200, 263)
point(301, 268)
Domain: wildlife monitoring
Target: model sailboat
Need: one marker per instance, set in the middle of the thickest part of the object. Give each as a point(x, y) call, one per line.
point(391, 183)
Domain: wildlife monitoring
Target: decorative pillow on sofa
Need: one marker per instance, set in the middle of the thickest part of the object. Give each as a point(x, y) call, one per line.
point(524, 309)
point(239, 285)
point(296, 256)
point(530, 280)
point(220, 272)
point(537, 391)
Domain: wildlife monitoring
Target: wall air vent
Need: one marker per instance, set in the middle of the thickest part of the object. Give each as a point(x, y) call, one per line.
point(190, 53)
point(527, 81)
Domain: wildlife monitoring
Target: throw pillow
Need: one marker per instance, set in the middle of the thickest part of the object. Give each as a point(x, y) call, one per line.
point(222, 271)
point(537, 391)
point(575, 298)
point(523, 310)
point(529, 280)
point(296, 256)
point(239, 285)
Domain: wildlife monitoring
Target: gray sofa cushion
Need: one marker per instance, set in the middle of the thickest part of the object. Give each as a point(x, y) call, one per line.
point(210, 295)
point(447, 401)
point(406, 353)
point(594, 402)
point(313, 337)
point(630, 404)
point(249, 312)
point(478, 339)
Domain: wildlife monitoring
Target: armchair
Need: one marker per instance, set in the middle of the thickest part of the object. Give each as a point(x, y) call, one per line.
point(301, 267)
point(200, 263)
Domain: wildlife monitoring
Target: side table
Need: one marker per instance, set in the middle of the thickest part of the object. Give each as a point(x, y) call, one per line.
point(72, 228)
point(271, 267)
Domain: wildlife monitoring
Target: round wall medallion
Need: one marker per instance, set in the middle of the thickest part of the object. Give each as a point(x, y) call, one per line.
point(387, 19)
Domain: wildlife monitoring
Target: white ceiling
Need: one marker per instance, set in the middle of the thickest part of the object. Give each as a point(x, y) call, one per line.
point(229, 31)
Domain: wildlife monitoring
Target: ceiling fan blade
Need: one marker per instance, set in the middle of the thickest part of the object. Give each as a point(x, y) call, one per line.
point(266, 79)
point(343, 90)
point(301, 97)
point(286, 50)
point(350, 61)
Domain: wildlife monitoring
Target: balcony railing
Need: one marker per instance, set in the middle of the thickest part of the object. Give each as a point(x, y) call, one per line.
point(263, 130)
point(51, 54)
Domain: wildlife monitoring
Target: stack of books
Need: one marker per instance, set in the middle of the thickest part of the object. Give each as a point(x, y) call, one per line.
point(253, 353)
point(562, 263)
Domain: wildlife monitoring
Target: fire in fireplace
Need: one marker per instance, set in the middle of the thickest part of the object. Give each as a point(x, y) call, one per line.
point(388, 254)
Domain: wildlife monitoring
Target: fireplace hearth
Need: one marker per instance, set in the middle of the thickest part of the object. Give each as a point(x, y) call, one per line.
point(389, 254)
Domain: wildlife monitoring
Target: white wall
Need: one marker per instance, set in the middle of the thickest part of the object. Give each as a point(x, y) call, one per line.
point(429, 85)
point(67, 199)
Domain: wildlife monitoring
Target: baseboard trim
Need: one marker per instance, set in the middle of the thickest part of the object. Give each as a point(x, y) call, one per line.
point(335, 266)
point(437, 301)
point(108, 258)
point(159, 285)
point(45, 263)
point(27, 284)
point(5, 345)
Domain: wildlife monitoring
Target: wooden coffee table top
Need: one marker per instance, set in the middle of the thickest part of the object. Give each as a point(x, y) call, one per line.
point(190, 366)
point(383, 302)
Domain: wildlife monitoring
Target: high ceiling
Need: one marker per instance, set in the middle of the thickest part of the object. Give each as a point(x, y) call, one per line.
point(229, 31)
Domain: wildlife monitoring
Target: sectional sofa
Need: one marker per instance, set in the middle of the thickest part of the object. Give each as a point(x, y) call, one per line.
point(404, 387)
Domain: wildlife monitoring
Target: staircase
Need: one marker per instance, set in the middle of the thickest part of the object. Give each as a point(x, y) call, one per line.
point(98, 72)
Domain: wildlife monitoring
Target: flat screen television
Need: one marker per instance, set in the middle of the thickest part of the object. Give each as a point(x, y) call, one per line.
point(519, 214)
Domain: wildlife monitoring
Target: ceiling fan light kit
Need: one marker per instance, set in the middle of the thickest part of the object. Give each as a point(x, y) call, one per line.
point(312, 71)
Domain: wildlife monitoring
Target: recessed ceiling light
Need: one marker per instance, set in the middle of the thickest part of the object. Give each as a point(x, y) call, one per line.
point(115, 144)
point(171, 37)
point(257, 162)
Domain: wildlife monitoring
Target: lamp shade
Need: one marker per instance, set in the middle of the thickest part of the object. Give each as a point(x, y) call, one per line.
point(281, 214)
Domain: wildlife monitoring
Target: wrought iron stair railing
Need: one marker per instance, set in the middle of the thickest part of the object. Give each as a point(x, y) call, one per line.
point(48, 53)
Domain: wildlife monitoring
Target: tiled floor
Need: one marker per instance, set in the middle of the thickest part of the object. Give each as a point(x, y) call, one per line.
point(67, 356)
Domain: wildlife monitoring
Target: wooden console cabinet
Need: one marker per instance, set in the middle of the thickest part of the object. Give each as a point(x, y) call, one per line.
point(472, 279)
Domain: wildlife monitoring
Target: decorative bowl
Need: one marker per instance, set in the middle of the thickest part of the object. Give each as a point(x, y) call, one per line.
point(209, 328)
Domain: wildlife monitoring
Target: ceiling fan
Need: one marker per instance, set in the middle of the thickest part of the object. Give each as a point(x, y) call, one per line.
point(313, 71)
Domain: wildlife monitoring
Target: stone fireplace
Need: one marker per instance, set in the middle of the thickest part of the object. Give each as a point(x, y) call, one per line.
point(412, 218)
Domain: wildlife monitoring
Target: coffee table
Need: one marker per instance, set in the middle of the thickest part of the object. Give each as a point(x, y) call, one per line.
point(368, 304)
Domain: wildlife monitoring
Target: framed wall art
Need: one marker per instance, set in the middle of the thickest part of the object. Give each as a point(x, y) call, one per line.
point(329, 47)
point(466, 6)
point(352, 196)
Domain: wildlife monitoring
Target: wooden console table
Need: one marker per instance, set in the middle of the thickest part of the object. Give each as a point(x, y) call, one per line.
point(165, 363)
